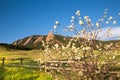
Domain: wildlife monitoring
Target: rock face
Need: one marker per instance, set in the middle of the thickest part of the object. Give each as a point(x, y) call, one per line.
point(39, 39)
point(49, 37)
point(27, 41)
point(35, 40)
point(17, 42)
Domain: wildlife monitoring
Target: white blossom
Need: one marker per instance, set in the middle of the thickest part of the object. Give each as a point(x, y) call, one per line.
point(72, 26)
point(72, 21)
point(57, 22)
point(107, 22)
point(56, 46)
point(78, 13)
point(105, 11)
point(73, 47)
point(81, 22)
point(113, 57)
point(119, 13)
point(43, 43)
point(54, 26)
point(88, 21)
point(110, 18)
point(97, 24)
point(114, 22)
point(83, 30)
point(63, 47)
point(75, 40)
point(73, 17)
point(86, 17)
point(64, 38)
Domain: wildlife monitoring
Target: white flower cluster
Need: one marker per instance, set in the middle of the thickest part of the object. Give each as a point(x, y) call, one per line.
point(54, 26)
point(97, 24)
point(78, 13)
point(110, 18)
point(57, 22)
point(119, 13)
point(114, 22)
point(81, 22)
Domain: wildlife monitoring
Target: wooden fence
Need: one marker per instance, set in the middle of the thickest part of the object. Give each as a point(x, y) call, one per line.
point(66, 64)
point(46, 64)
point(12, 59)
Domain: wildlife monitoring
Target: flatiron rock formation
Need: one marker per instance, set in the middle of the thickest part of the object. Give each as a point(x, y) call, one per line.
point(49, 37)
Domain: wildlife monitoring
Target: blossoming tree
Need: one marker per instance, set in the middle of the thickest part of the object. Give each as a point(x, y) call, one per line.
point(95, 59)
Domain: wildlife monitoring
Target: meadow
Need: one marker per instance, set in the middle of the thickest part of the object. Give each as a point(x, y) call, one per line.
point(12, 69)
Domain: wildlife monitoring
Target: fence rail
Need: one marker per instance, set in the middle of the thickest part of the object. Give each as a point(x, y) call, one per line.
point(49, 64)
point(12, 59)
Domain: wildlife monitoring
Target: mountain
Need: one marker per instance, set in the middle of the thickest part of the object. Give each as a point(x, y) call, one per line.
point(35, 41)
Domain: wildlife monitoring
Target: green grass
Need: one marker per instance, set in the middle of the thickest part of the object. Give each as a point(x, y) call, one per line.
point(19, 73)
point(14, 72)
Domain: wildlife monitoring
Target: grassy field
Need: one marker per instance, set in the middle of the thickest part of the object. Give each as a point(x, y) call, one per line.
point(13, 71)
point(19, 73)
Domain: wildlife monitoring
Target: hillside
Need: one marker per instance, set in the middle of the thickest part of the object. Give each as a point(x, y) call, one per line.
point(5, 46)
point(35, 42)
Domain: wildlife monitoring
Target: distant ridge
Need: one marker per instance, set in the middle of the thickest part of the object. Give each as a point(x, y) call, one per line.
point(35, 41)
point(15, 47)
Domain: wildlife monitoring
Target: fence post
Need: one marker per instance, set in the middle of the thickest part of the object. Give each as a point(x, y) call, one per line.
point(39, 62)
point(45, 65)
point(21, 60)
point(60, 62)
point(3, 61)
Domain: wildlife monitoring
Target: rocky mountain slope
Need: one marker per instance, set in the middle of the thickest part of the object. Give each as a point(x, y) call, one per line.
point(35, 41)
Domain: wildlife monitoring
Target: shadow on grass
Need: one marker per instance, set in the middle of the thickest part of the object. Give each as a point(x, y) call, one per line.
point(18, 62)
point(2, 73)
point(20, 73)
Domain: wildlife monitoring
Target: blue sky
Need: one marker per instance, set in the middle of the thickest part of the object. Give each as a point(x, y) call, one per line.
point(21, 18)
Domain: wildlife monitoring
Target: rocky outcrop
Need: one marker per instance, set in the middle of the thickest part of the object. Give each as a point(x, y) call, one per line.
point(49, 37)
point(39, 39)
point(27, 41)
point(17, 42)
point(34, 40)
